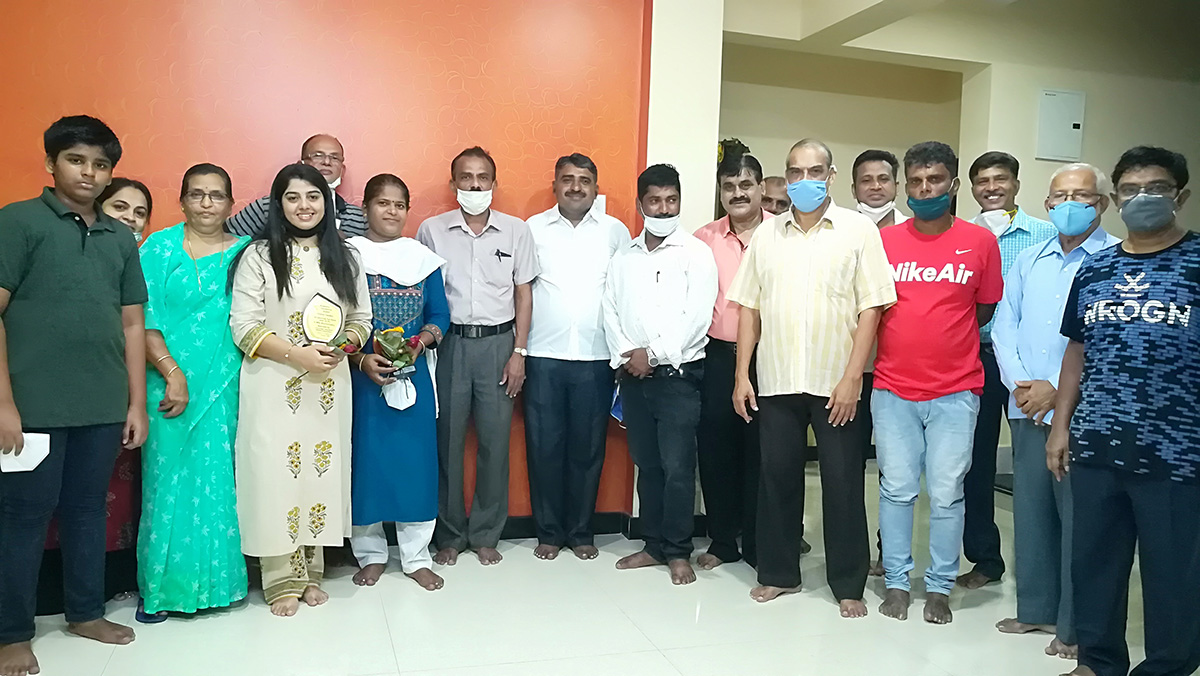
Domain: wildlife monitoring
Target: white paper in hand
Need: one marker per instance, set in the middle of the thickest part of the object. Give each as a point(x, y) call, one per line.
point(37, 447)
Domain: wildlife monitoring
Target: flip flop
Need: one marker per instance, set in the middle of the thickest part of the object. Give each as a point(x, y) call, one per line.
point(145, 618)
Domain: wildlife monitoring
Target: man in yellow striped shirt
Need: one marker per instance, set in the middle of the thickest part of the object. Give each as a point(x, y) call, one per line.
point(812, 287)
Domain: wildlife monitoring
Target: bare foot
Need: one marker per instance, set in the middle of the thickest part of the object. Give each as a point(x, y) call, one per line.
point(1067, 652)
point(708, 561)
point(876, 569)
point(446, 557)
point(427, 579)
point(16, 659)
point(974, 580)
point(285, 607)
point(546, 552)
point(764, 593)
point(895, 604)
point(103, 631)
point(937, 608)
point(1081, 671)
point(488, 556)
point(586, 552)
point(1013, 626)
point(368, 575)
point(804, 547)
point(681, 571)
point(639, 560)
point(314, 596)
point(853, 608)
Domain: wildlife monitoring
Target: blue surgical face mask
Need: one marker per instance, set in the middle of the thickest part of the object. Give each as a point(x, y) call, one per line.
point(930, 208)
point(808, 195)
point(1073, 218)
point(1146, 213)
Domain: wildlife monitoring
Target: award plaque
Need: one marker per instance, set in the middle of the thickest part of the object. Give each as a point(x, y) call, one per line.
point(322, 320)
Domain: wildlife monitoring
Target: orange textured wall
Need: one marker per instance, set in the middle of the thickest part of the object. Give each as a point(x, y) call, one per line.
point(404, 85)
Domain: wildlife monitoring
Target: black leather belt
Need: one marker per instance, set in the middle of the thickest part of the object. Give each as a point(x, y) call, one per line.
point(478, 331)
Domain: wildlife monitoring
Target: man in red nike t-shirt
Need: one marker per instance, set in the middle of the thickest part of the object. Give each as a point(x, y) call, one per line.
point(928, 376)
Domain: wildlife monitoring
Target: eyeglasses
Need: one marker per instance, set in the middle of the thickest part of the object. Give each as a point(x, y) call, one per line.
point(1158, 189)
point(197, 197)
point(1089, 198)
point(318, 158)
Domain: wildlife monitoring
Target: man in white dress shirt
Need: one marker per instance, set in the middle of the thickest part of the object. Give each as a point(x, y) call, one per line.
point(569, 383)
point(658, 302)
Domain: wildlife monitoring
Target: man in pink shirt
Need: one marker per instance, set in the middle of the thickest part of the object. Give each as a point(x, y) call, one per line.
point(928, 376)
point(728, 446)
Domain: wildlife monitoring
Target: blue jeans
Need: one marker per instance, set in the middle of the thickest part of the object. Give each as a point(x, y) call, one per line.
point(936, 437)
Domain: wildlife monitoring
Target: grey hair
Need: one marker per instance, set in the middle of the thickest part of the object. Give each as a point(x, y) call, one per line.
point(1103, 186)
point(814, 143)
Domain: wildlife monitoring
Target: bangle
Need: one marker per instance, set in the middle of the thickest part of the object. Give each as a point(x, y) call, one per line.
point(160, 359)
point(173, 369)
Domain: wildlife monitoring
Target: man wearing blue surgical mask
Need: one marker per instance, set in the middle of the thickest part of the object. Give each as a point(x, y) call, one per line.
point(1127, 426)
point(1029, 350)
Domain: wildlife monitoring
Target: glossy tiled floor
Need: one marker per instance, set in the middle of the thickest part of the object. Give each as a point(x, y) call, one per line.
point(527, 616)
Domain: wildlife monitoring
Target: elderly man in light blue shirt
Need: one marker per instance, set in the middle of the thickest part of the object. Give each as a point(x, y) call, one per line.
point(1029, 350)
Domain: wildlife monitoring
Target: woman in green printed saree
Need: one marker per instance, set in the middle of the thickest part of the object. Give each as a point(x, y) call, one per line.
point(189, 545)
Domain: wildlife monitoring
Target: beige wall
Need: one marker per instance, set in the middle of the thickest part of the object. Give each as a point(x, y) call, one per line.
point(772, 98)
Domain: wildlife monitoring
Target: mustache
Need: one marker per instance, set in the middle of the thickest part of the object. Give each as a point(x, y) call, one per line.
point(740, 200)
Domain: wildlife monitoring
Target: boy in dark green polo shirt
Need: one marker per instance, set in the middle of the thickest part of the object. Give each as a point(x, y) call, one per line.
point(72, 364)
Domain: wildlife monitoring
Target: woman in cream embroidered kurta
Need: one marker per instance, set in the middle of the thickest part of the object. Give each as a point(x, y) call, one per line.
point(293, 441)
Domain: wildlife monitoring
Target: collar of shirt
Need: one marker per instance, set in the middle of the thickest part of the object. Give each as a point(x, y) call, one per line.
point(459, 221)
point(788, 218)
point(673, 239)
point(103, 220)
point(556, 216)
point(1098, 240)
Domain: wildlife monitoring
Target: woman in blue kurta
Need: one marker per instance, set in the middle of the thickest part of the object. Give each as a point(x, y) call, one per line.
point(394, 464)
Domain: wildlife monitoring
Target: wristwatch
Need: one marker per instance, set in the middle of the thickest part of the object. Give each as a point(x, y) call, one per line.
point(521, 351)
point(652, 358)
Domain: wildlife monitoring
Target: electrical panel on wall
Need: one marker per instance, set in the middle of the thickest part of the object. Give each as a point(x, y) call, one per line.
point(1060, 125)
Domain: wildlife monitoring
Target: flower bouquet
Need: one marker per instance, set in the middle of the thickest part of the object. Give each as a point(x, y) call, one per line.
point(392, 345)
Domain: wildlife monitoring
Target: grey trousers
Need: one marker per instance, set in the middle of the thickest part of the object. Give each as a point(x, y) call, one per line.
point(1042, 533)
point(468, 376)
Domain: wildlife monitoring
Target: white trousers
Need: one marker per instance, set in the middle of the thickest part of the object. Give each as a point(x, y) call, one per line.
point(370, 545)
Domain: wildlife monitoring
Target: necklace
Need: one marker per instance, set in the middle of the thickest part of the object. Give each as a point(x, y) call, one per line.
point(191, 251)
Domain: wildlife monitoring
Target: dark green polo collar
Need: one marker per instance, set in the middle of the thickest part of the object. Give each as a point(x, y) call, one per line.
point(103, 220)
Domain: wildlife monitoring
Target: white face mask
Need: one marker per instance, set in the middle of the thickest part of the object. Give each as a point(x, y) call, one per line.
point(876, 214)
point(475, 202)
point(663, 226)
point(996, 220)
point(333, 185)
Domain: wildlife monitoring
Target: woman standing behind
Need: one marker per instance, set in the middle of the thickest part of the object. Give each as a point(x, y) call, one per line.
point(189, 550)
point(128, 200)
point(293, 439)
point(395, 444)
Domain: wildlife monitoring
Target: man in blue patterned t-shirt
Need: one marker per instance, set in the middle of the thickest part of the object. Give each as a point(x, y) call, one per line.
point(1133, 368)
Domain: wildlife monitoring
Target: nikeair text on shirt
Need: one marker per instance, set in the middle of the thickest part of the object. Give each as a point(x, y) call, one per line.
point(912, 272)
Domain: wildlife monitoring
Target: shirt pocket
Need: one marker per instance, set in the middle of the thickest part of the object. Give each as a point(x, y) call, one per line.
point(835, 273)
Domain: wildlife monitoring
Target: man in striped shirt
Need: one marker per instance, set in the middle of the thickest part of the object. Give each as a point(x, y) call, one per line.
point(325, 154)
point(812, 286)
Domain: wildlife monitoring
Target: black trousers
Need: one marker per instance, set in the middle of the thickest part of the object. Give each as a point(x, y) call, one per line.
point(72, 482)
point(728, 453)
point(1115, 512)
point(661, 415)
point(566, 417)
point(784, 434)
point(981, 537)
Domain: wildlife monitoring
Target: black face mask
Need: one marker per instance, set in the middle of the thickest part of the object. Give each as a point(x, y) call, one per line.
point(300, 233)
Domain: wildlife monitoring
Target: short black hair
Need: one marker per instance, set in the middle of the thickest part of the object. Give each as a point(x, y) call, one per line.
point(206, 169)
point(874, 156)
point(994, 158)
point(473, 151)
point(736, 163)
point(658, 176)
point(381, 181)
point(1152, 156)
point(120, 183)
point(578, 160)
point(929, 153)
point(75, 130)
